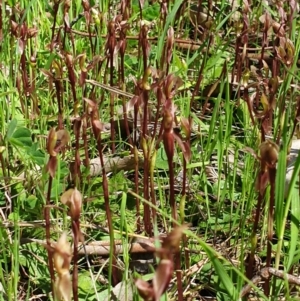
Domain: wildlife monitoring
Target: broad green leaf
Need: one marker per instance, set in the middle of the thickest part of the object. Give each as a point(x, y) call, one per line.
point(161, 159)
point(14, 216)
point(37, 155)
point(85, 283)
point(31, 201)
point(11, 128)
point(21, 137)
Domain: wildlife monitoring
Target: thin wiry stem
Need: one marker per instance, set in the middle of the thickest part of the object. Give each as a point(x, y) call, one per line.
point(47, 229)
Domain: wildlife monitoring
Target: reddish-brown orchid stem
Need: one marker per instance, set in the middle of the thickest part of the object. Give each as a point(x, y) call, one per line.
point(66, 8)
point(145, 113)
point(143, 40)
point(249, 272)
point(97, 134)
point(136, 189)
point(126, 123)
point(75, 229)
point(157, 116)
point(153, 159)
point(24, 71)
point(59, 96)
point(172, 194)
point(183, 195)
point(272, 177)
point(163, 12)
point(111, 43)
point(85, 140)
point(187, 255)
point(123, 44)
point(264, 41)
point(169, 145)
point(47, 228)
point(77, 126)
point(147, 221)
point(248, 102)
point(152, 189)
point(200, 77)
point(141, 10)
point(136, 167)
point(173, 208)
point(290, 19)
point(122, 75)
point(55, 9)
point(237, 71)
point(86, 6)
point(112, 122)
point(179, 278)
point(72, 78)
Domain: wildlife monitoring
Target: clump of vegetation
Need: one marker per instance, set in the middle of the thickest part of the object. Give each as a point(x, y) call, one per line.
point(149, 150)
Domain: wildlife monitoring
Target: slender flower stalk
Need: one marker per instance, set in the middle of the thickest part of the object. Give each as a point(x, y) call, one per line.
point(97, 128)
point(163, 274)
point(55, 142)
point(73, 199)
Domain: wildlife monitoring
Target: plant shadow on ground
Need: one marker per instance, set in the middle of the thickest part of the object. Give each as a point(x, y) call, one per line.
point(149, 150)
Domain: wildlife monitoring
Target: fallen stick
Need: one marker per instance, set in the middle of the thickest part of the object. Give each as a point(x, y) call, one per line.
point(113, 164)
point(102, 248)
point(266, 273)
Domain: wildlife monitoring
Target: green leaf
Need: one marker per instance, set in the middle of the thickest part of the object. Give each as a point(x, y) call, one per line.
point(170, 19)
point(85, 283)
point(122, 291)
point(38, 157)
point(220, 271)
point(280, 188)
point(14, 216)
point(21, 137)
point(151, 12)
point(11, 128)
point(36, 269)
point(31, 201)
point(295, 213)
point(161, 159)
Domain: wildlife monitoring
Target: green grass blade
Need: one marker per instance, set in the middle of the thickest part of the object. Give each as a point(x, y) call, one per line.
point(170, 18)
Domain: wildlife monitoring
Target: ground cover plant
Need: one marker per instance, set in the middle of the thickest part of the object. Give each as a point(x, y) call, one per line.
point(149, 150)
